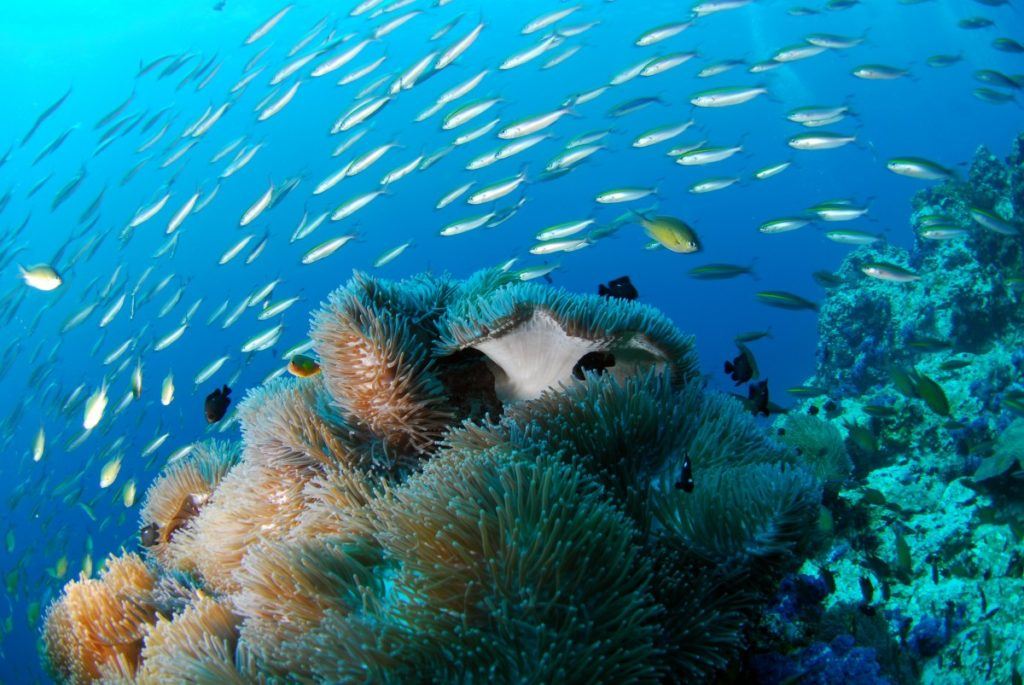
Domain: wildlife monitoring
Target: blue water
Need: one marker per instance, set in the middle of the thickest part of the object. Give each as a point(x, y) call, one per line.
point(95, 49)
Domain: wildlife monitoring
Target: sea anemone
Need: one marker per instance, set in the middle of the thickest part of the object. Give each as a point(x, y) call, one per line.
point(631, 433)
point(721, 432)
point(820, 448)
point(743, 516)
point(481, 485)
point(289, 424)
point(704, 617)
point(534, 338)
point(177, 496)
point(475, 537)
point(360, 647)
point(289, 587)
point(196, 646)
point(291, 436)
point(621, 431)
point(374, 340)
point(622, 428)
point(339, 504)
point(253, 503)
point(96, 627)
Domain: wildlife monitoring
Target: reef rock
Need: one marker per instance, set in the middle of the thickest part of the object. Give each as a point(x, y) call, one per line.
point(968, 294)
point(925, 384)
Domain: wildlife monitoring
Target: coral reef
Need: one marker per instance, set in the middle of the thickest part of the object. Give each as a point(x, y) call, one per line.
point(482, 485)
point(924, 381)
point(967, 295)
point(822, 664)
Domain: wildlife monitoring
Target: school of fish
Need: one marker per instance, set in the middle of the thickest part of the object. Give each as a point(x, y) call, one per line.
point(190, 163)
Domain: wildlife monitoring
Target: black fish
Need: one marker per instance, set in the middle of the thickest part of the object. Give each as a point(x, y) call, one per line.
point(744, 367)
point(149, 535)
point(758, 396)
point(219, 6)
point(867, 591)
point(593, 361)
point(217, 404)
point(620, 287)
point(685, 482)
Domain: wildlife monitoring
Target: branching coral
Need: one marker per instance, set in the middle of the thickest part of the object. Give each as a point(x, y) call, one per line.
point(479, 487)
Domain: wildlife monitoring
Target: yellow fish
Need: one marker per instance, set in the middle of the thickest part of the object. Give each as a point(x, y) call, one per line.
point(672, 234)
point(303, 366)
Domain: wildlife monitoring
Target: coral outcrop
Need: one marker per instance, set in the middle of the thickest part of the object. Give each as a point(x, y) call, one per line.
point(969, 291)
point(925, 385)
point(482, 485)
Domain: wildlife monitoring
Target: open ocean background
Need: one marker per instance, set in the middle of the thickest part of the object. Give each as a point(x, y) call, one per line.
point(95, 48)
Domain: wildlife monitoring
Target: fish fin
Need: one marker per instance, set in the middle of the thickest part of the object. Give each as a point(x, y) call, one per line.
point(639, 217)
point(770, 95)
point(750, 270)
